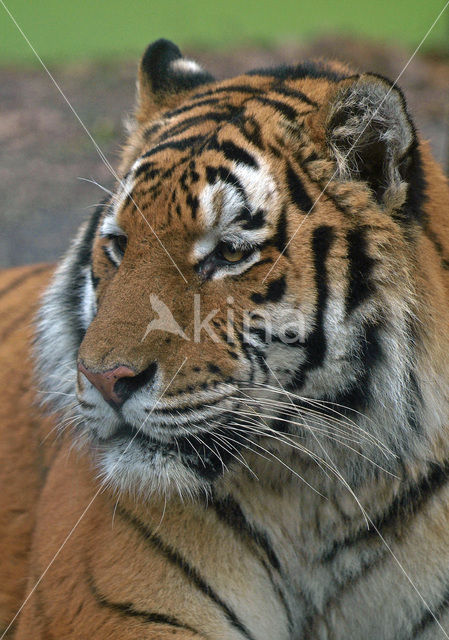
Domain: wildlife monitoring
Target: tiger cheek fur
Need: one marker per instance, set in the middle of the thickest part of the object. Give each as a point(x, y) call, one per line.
point(249, 340)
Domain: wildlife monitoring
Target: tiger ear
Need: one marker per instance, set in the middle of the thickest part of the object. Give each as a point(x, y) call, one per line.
point(164, 77)
point(371, 136)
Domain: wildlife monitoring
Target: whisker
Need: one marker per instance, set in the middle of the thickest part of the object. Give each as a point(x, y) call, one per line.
point(270, 453)
point(316, 459)
point(337, 472)
point(280, 418)
point(329, 404)
point(222, 437)
point(97, 184)
point(204, 444)
point(343, 420)
point(316, 430)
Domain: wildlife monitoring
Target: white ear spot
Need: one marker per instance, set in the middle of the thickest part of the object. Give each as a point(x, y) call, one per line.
point(186, 66)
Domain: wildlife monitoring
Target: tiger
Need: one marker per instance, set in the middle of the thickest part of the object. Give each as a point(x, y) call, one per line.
point(226, 410)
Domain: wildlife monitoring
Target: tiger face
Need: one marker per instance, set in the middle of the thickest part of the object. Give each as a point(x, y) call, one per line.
point(255, 246)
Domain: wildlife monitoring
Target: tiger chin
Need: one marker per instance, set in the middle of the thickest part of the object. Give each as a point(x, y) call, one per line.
point(248, 339)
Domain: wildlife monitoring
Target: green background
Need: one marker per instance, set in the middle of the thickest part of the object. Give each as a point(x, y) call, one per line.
point(61, 30)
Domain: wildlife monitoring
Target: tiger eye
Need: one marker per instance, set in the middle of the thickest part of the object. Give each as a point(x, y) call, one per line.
point(121, 243)
point(232, 255)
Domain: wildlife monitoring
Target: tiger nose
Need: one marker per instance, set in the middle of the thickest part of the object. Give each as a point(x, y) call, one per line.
point(106, 383)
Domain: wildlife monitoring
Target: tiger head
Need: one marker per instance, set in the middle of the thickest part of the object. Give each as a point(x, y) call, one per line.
point(262, 267)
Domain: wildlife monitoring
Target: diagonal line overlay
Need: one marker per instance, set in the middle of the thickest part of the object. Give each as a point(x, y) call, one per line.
point(358, 138)
point(102, 488)
point(97, 148)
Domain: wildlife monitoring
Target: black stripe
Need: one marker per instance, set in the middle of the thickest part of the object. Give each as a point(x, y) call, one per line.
point(360, 266)
point(258, 354)
point(128, 200)
point(307, 69)
point(280, 239)
point(95, 279)
point(190, 572)
point(288, 339)
point(297, 191)
point(237, 154)
point(326, 193)
point(227, 177)
point(148, 170)
point(177, 411)
point(187, 123)
point(255, 221)
point(368, 561)
point(282, 107)
point(394, 522)
point(274, 293)
point(417, 191)
point(183, 181)
point(86, 405)
point(438, 246)
point(428, 620)
point(18, 323)
point(73, 293)
point(244, 347)
point(152, 129)
point(176, 145)
point(193, 203)
point(230, 88)
point(127, 609)
point(322, 240)
point(194, 175)
point(84, 255)
point(275, 151)
point(260, 357)
point(415, 403)
point(190, 106)
point(250, 129)
point(369, 351)
point(276, 290)
point(398, 515)
point(230, 512)
point(295, 93)
point(29, 273)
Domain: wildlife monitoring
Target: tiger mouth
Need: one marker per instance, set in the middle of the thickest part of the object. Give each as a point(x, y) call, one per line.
point(127, 432)
point(205, 451)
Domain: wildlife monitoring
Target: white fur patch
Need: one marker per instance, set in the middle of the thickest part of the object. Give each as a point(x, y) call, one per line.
point(258, 183)
point(88, 302)
point(57, 338)
point(110, 227)
point(221, 202)
point(220, 205)
point(184, 65)
point(205, 246)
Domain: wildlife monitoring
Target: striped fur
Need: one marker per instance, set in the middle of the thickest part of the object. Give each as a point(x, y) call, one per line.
point(279, 467)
